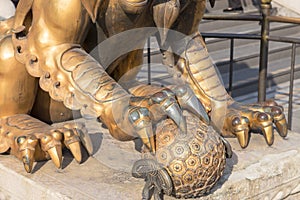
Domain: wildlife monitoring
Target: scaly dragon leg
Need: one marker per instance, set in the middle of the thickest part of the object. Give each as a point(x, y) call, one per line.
point(193, 66)
point(239, 119)
point(23, 136)
point(72, 76)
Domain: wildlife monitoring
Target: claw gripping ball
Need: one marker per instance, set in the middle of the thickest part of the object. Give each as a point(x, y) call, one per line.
point(194, 160)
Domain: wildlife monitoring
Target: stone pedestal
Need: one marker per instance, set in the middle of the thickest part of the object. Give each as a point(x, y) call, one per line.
point(258, 172)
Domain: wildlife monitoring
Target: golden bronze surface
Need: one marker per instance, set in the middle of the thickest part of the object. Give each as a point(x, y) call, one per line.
point(44, 47)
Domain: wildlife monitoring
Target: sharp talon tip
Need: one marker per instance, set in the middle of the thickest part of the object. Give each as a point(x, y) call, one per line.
point(28, 164)
point(243, 138)
point(281, 127)
point(146, 135)
point(190, 102)
point(176, 115)
point(55, 154)
point(76, 151)
point(174, 112)
point(27, 159)
point(28, 168)
point(269, 134)
point(198, 109)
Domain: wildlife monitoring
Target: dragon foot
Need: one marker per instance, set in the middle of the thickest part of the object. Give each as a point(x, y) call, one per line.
point(32, 140)
point(241, 119)
point(165, 103)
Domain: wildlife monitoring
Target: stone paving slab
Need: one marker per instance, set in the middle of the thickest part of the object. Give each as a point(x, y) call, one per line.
point(258, 172)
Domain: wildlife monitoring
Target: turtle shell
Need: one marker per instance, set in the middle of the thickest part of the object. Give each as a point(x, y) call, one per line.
point(195, 161)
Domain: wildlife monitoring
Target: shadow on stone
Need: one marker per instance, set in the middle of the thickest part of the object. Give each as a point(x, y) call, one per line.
point(38, 166)
point(97, 139)
point(138, 145)
point(67, 158)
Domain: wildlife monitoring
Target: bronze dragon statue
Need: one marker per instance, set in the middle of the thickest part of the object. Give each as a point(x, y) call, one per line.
point(47, 75)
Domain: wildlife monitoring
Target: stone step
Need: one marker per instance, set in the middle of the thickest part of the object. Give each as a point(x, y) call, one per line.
point(257, 172)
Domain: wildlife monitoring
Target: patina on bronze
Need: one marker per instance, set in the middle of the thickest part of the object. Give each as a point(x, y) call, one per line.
point(46, 72)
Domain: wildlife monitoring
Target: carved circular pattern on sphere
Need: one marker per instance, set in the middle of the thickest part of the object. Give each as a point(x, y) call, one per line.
point(195, 162)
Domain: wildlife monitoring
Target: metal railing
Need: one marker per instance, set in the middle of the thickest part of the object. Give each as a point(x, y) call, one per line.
point(264, 19)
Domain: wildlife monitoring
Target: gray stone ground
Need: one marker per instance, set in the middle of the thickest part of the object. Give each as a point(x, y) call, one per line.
point(258, 172)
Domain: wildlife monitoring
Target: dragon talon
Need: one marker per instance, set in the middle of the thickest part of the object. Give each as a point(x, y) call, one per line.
point(281, 126)
point(239, 127)
point(174, 112)
point(27, 147)
point(279, 120)
point(146, 135)
point(55, 154)
point(141, 122)
point(76, 151)
point(243, 137)
point(263, 122)
point(72, 142)
point(268, 134)
point(188, 100)
point(169, 106)
point(27, 164)
point(27, 159)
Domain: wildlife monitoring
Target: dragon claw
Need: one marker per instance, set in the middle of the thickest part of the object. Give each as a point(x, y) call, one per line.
point(238, 126)
point(72, 142)
point(51, 144)
point(169, 106)
point(268, 134)
point(174, 112)
point(281, 126)
point(79, 133)
point(188, 100)
point(263, 122)
point(27, 147)
point(279, 120)
point(27, 160)
point(139, 118)
point(146, 135)
point(243, 138)
point(256, 117)
point(76, 151)
point(55, 154)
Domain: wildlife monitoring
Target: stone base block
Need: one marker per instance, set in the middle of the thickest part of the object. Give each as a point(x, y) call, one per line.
point(258, 172)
